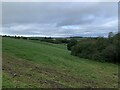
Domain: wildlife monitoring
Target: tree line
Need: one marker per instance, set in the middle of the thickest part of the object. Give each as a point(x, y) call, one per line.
point(99, 49)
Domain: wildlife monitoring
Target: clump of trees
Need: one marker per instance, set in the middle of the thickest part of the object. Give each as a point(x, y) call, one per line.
point(99, 49)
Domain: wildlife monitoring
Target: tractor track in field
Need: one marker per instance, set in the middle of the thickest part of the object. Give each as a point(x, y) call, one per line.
point(27, 71)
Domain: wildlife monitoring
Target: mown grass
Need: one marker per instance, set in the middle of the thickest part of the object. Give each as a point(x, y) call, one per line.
point(95, 74)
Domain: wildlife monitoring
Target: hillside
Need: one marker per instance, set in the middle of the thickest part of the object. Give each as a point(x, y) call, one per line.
point(29, 63)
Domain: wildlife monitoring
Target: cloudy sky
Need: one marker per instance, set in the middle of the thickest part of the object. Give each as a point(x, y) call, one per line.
point(60, 19)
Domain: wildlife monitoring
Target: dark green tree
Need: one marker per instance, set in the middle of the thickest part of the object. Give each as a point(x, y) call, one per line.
point(71, 43)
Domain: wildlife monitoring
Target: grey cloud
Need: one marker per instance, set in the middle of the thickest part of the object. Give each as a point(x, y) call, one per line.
point(59, 19)
point(55, 12)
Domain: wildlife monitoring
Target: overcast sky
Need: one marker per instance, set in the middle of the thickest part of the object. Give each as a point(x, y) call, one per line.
point(59, 19)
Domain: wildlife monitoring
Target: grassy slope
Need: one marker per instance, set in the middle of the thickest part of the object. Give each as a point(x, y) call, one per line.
point(73, 71)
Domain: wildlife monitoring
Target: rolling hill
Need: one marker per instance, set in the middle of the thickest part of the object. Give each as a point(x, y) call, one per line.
point(36, 64)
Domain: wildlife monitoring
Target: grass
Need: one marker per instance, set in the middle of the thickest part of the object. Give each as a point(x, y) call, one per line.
point(10, 83)
point(59, 68)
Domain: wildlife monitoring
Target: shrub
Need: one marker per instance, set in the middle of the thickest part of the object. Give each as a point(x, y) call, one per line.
point(100, 49)
point(84, 49)
point(71, 43)
point(110, 53)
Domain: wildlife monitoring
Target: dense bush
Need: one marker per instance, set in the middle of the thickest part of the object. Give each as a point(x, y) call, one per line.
point(71, 43)
point(100, 49)
point(85, 49)
point(109, 53)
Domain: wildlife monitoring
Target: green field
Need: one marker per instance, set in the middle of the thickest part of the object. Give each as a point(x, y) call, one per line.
point(38, 64)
